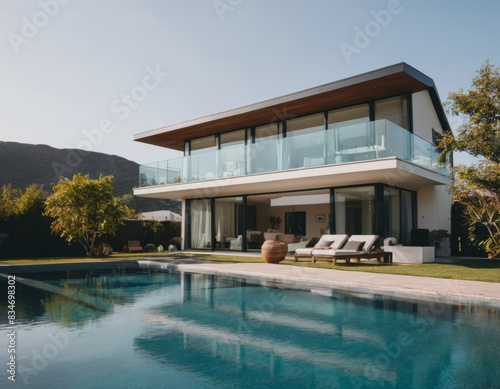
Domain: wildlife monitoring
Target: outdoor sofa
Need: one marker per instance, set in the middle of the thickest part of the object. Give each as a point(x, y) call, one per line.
point(134, 245)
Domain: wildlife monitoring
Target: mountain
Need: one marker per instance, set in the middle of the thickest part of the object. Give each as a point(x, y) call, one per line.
point(24, 164)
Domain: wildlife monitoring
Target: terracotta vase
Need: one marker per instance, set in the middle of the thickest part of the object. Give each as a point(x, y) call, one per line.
point(274, 251)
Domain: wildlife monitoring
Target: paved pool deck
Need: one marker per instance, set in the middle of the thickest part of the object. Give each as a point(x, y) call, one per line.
point(457, 292)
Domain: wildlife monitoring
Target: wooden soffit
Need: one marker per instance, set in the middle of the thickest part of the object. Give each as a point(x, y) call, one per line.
point(385, 82)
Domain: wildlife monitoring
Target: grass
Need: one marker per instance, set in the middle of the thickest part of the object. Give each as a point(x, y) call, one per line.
point(487, 270)
point(125, 257)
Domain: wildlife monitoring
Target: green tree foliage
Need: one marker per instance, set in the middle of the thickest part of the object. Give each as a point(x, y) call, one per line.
point(8, 201)
point(477, 187)
point(151, 230)
point(15, 202)
point(85, 210)
point(21, 218)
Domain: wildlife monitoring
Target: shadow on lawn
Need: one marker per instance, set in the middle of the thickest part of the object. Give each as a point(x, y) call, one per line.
point(477, 264)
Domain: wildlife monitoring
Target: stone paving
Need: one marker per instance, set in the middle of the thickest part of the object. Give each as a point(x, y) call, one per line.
point(398, 286)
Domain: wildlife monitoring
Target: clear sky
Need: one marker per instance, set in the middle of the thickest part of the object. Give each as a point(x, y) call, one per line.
point(129, 66)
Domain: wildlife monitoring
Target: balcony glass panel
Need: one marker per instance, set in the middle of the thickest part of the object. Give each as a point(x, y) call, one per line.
point(202, 166)
point(231, 161)
point(263, 154)
point(339, 144)
point(305, 140)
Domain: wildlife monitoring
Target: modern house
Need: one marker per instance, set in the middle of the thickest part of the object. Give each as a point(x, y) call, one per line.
point(356, 156)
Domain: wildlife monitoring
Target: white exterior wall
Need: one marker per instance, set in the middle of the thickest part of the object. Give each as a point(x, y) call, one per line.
point(424, 116)
point(434, 208)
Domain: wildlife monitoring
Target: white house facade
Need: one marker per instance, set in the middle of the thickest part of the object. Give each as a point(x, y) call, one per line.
point(356, 156)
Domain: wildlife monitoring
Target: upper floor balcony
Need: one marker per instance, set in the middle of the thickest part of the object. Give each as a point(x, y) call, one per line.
point(311, 148)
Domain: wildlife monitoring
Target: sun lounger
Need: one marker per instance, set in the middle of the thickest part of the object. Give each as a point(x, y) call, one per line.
point(357, 247)
point(328, 241)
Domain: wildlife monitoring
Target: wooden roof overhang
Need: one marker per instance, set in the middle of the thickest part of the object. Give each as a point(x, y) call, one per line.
point(393, 80)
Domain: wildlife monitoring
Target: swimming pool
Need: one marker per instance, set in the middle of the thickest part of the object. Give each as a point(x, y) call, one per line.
point(133, 329)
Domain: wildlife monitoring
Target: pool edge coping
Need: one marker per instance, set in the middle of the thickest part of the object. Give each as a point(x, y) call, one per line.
point(309, 283)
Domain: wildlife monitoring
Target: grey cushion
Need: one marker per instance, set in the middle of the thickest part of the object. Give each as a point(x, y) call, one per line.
point(353, 245)
point(312, 242)
point(324, 243)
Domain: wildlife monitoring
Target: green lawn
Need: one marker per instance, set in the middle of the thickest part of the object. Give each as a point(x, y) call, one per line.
point(479, 270)
point(487, 270)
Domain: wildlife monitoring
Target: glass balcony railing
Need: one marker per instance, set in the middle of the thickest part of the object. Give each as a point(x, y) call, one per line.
point(338, 144)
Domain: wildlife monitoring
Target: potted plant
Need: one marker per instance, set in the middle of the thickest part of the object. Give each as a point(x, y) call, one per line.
point(437, 236)
point(275, 222)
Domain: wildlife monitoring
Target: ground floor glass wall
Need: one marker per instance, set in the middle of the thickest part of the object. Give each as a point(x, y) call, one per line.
point(355, 210)
point(201, 224)
point(244, 223)
point(229, 223)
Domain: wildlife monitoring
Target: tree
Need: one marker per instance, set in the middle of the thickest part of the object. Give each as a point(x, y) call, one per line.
point(477, 187)
point(9, 197)
point(85, 210)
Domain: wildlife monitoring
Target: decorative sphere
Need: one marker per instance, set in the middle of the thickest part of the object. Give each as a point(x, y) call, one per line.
point(171, 248)
point(160, 248)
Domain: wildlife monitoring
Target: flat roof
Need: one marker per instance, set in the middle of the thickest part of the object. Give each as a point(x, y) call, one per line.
point(385, 82)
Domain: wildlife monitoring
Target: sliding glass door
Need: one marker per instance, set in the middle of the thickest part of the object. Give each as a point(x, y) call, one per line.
point(201, 224)
point(229, 223)
point(355, 210)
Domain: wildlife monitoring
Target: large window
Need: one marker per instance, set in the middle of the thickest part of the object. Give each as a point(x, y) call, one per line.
point(397, 215)
point(231, 139)
point(394, 109)
point(355, 210)
point(232, 154)
point(391, 213)
point(201, 224)
point(351, 135)
point(407, 212)
point(202, 145)
point(305, 141)
point(229, 223)
point(349, 116)
point(263, 155)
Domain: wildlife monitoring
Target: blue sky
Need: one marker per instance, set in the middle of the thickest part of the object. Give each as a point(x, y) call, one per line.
point(70, 66)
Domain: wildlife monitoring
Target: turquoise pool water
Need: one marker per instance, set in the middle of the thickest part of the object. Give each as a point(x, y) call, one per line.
point(126, 329)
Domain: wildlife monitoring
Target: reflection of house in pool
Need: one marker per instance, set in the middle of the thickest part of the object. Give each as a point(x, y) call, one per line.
point(357, 157)
point(268, 337)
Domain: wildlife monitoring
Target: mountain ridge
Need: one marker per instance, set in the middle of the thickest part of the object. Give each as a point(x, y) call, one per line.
point(22, 164)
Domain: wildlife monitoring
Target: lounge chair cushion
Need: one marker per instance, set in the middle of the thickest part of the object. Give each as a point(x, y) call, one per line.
point(353, 245)
point(336, 241)
point(312, 242)
point(363, 242)
point(324, 243)
point(332, 252)
point(304, 251)
point(368, 239)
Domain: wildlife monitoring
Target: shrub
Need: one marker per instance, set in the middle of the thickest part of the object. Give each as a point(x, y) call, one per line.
point(176, 242)
point(150, 248)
